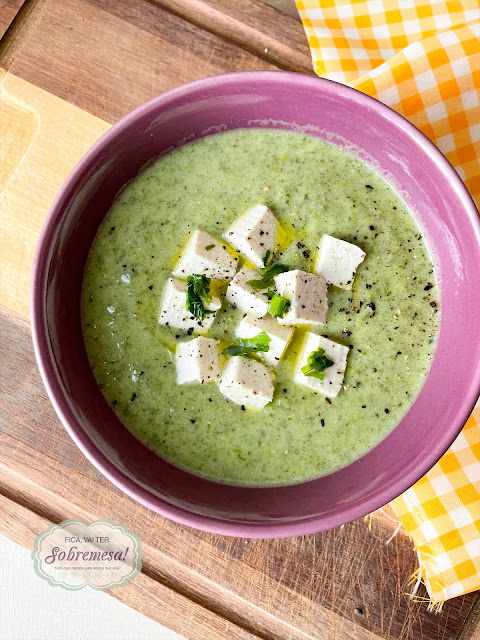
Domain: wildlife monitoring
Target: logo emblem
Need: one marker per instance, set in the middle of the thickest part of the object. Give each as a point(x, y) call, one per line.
point(101, 555)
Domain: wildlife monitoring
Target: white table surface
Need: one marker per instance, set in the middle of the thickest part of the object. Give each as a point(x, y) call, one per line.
point(30, 609)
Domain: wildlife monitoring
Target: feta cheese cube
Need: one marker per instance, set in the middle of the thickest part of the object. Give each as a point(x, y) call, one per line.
point(254, 233)
point(337, 261)
point(197, 360)
point(279, 336)
point(332, 382)
point(173, 311)
point(203, 258)
point(244, 297)
point(307, 294)
point(247, 382)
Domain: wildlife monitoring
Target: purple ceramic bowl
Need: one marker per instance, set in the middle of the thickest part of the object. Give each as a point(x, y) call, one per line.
point(385, 140)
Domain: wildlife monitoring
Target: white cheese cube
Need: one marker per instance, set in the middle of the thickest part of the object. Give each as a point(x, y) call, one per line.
point(197, 360)
point(244, 297)
point(307, 294)
point(254, 233)
point(332, 382)
point(246, 382)
point(337, 261)
point(213, 262)
point(250, 327)
point(173, 311)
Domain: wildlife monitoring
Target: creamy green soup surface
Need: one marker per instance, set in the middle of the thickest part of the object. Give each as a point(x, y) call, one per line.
point(389, 319)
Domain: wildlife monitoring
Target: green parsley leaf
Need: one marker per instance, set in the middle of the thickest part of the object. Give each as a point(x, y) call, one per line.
point(270, 293)
point(266, 258)
point(317, 362)
point(209, 247)
point(268, 277)
point(249, 346)
point(198, 295)
point(278, 306)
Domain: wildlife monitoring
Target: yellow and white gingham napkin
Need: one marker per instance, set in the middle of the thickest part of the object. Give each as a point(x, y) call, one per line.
point(423, 60)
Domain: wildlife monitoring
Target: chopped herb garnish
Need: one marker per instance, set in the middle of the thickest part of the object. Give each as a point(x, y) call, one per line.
point(266, 258)
point(270, 293)
point(198, 295)
point(268, 277)
point(317, 362)
point(249, 346)
point(209, 247)
point(278, 306)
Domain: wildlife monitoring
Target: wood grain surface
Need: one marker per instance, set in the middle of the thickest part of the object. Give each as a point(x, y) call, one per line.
point(8, 10)
point(74, 67)
point(42, 138)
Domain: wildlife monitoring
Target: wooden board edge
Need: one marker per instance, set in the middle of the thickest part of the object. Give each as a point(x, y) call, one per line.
point(144, 593)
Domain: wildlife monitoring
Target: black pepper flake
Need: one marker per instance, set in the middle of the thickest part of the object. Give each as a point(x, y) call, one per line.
point(364, 406)
point(387, 410)
point(368, 286)
point(300, 245)
point(328, 400)
point(371, 305)
point(368, 186)
point(192, 421)
point(347, 333)
point(210, 400)
point(134, 395)
point(190, 331)
point(284, 390)
point(371, 227)
point(322, 422)
point(243, 407)
point(306, 254)
point(150, 287)
point(428, 287)
point(177, 335)
point(433, 304)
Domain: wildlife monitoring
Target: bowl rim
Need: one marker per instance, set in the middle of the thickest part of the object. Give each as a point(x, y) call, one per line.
point(142, 495)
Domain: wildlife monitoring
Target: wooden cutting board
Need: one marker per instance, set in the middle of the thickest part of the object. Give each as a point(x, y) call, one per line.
point(70, 68)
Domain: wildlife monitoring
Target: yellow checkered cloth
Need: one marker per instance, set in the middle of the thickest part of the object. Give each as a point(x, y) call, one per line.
point(423, 60)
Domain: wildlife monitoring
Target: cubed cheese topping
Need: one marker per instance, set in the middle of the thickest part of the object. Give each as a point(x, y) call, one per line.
point(173, 311)
point(307, 294)
point(254, 233)
point(244, 297)
point(279, 336)
point(246, 382)
point(207, 256)
point(332, 382)
point(338, 261)
point(197, 360)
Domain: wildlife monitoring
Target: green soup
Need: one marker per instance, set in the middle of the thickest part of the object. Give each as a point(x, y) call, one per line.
point(389, 319)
